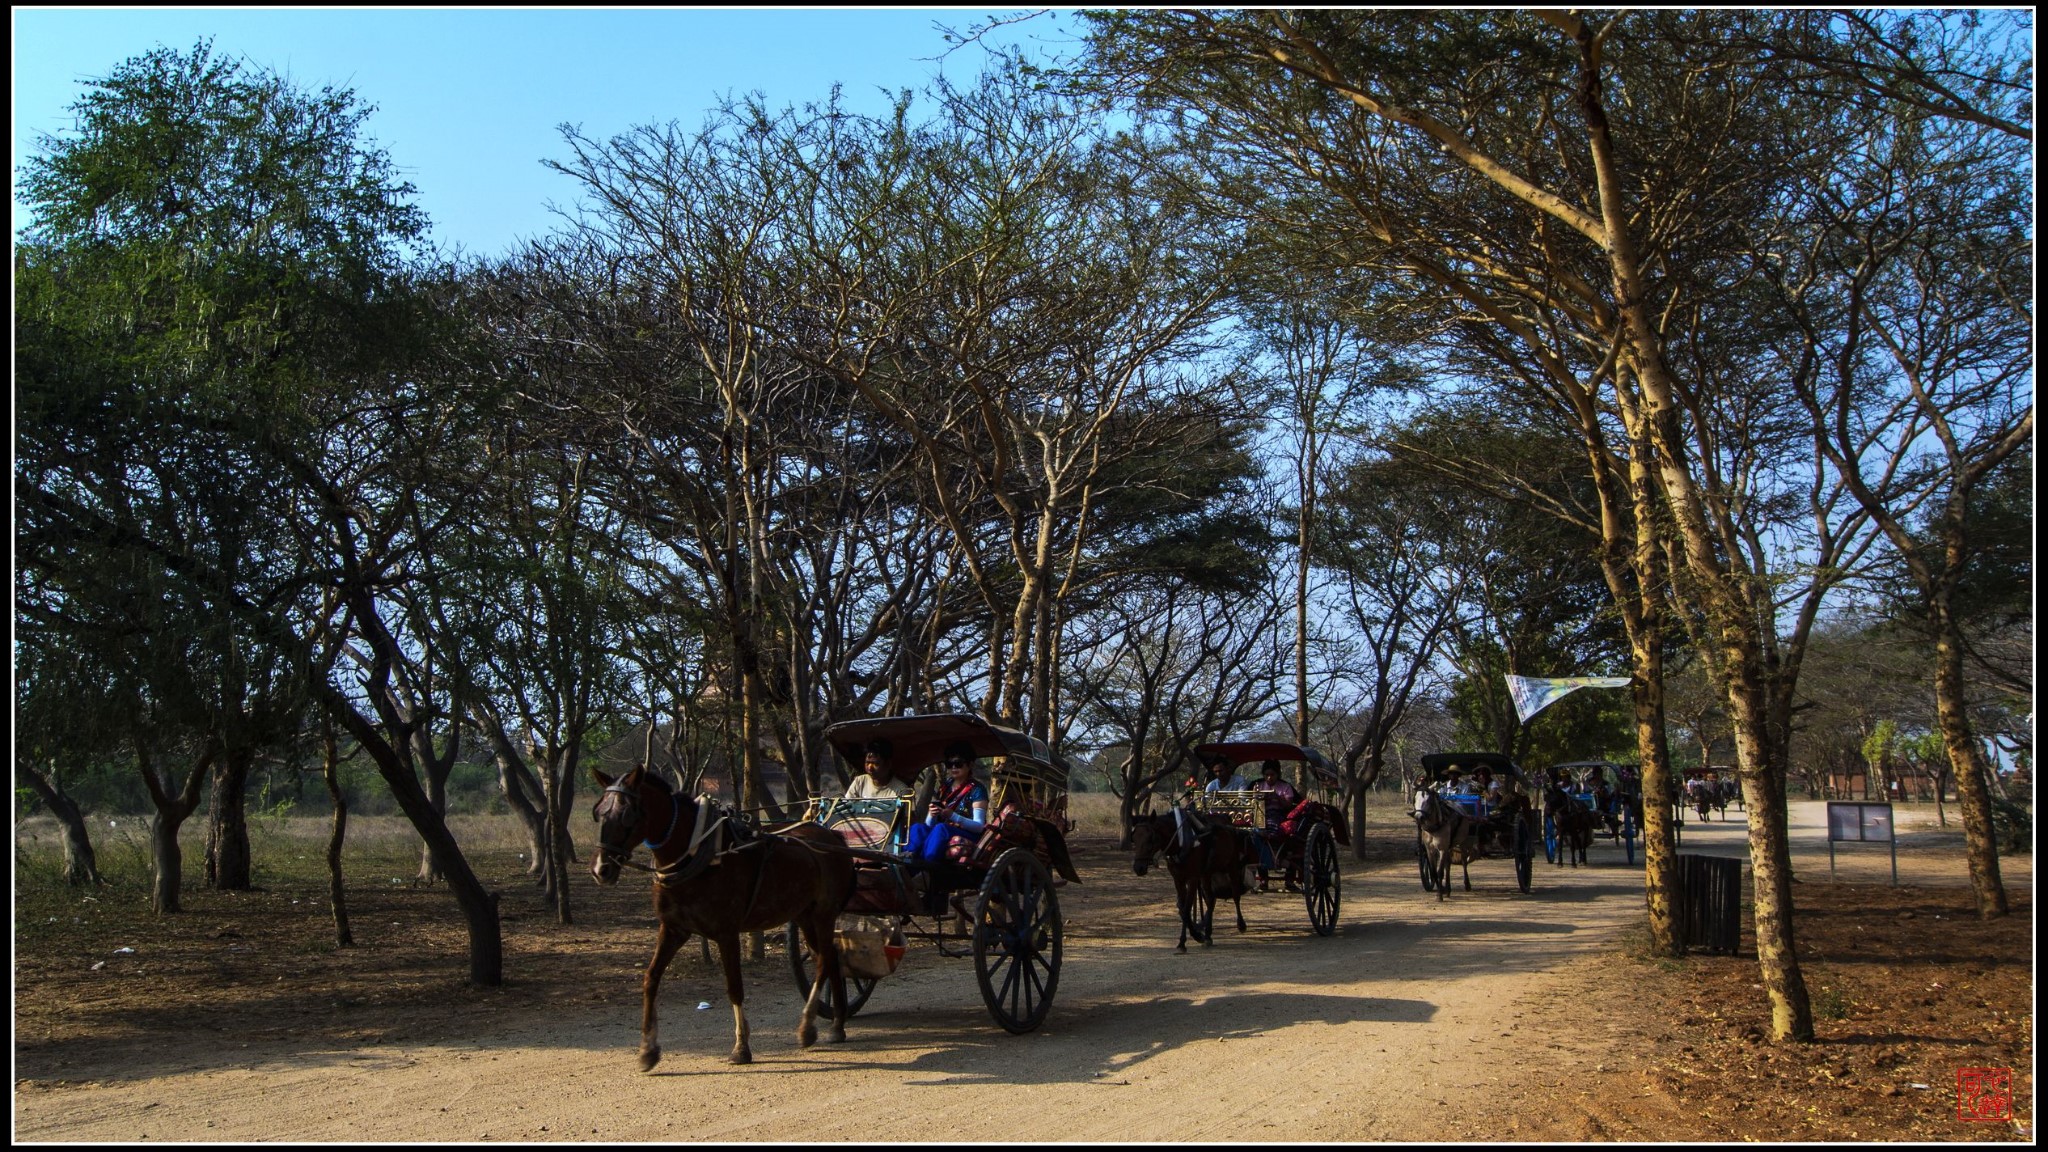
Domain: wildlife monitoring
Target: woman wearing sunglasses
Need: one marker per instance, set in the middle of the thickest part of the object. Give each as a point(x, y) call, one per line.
point(959, 810)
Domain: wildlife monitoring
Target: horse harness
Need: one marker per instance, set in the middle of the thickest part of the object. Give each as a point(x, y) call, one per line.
point(1450, 821)
point(717, 832)
point(1189, 830)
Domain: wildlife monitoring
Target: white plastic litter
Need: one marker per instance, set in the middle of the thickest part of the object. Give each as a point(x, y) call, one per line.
point(124, 951)
point(98, 964)
point(703, 1004)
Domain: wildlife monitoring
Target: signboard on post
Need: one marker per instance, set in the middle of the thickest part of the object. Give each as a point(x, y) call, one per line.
point(1859, 822)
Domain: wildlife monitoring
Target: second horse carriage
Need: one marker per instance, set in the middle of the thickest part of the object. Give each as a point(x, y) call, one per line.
point(1612, 792)
point(997, 886)
point(1300, 836)
point(1471, 806)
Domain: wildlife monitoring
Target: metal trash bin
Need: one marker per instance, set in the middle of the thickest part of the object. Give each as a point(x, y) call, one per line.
point(1710, 902)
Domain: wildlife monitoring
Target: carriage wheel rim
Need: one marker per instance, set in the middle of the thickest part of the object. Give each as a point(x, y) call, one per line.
point(1323, 879)
point(1017, 943)
point(1422, 862)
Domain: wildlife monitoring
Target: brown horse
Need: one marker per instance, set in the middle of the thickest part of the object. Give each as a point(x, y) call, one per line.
point(1573, 822)
point(717, 877)
point(1202, 858)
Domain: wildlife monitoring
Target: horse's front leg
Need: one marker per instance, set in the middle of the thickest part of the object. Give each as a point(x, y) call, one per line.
point(729, 959)
point(666, 941)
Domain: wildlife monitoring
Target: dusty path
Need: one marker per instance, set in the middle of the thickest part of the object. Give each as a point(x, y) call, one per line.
point(1419, 1020)
point(1375, 1033)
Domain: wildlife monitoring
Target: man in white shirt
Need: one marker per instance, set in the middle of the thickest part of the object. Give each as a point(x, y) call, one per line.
point(876, 778)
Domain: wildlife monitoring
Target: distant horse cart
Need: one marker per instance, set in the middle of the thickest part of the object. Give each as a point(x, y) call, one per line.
point(998, 892)
point(1612, 793)
point(1212, 837)
point(1472, 806)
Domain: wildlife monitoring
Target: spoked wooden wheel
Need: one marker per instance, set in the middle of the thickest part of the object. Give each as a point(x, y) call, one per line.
point(1525, 853)
point(805, 968)
point(1017, 938)
point(1320, 879)
point(1422, 861)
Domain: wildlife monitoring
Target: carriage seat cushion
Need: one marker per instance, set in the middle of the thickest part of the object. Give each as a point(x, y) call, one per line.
point(865, 832)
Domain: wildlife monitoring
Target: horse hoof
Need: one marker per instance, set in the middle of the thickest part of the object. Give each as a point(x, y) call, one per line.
point(806, 1036)
point(839, 1035)
point(649, 1058)
point(741, 1056)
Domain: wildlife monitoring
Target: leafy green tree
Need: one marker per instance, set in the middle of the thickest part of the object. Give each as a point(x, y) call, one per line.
point(226, 414)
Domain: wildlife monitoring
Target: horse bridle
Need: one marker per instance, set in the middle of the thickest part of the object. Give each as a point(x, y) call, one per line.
point(629, 802)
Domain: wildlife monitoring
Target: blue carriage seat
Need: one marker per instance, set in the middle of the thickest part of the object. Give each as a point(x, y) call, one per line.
point(876, 822)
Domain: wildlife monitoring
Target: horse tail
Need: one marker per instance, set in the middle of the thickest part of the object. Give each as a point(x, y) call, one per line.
point(1055, 842)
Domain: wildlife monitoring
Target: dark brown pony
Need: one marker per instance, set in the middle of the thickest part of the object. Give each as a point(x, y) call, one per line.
point(1203, 857)
point(1573, 822)
point(716, 877)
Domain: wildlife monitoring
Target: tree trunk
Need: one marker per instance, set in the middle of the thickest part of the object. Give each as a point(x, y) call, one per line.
point(1972, 771)
point(557, 784)
point(1660, 849)
point(227, 830)
point(1725, 607)
point(516, 779)
point(337, 895)
point(1770, 859)
point(167, 861)
point(479, 907)
point(81, 866)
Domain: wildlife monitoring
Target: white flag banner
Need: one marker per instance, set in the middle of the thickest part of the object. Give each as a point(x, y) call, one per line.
point(1533, 694)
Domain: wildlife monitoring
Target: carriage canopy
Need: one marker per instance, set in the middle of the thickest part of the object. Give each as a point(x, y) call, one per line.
point(1239, 752)
point(919, 741)
point(1590, 770)
point(1026, 772)
point(1438, 766)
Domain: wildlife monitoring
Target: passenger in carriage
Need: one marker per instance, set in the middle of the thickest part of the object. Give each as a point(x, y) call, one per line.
point(1486, 787)
point(877, 779)
point(1280, 798)
point(959, 811)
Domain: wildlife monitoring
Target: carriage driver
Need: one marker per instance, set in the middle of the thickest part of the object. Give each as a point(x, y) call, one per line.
point(1222, 778)
point(876, 778)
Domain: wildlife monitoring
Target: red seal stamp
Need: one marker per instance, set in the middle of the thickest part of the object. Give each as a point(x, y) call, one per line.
point(1984, 1094)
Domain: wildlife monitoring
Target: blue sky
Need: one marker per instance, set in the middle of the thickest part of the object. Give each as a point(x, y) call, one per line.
point(468, 100)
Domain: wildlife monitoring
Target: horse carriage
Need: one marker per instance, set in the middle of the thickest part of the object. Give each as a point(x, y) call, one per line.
point(1300, 842)
point(1704, 790)
point(1612, 793)
point(1458, 818)
point(997, 889)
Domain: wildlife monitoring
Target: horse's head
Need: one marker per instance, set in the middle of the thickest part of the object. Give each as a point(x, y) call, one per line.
point(1429, 808)
point(1149, 834)
point(621, 813)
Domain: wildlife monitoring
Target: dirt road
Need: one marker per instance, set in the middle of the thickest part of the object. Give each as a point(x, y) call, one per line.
point(1413, 1011)
point(1416, 1021)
